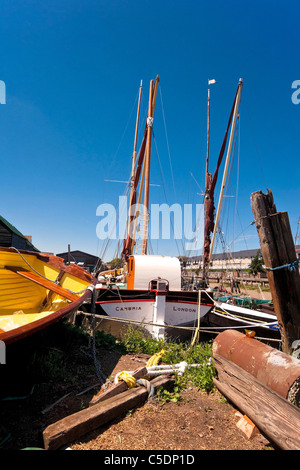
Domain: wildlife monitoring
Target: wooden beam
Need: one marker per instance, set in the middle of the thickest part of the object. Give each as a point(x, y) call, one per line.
point(278, 249)
point(273, 415)
point(120, 387)
point(76, 425)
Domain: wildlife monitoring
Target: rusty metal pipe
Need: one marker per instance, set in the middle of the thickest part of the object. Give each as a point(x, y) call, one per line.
point(275, 369)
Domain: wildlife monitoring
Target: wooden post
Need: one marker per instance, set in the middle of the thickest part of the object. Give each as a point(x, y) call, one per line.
point(278, 249)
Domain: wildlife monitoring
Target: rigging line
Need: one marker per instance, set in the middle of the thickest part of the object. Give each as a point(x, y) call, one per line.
point(256, 147)
point(115, 224)
point(163, 181)
point(200, 216)
point(237, 139)
point(229, 182)
point(170, 161)
point(241, 233)
point(124, 132)
point(196, 182)
point(238, 173)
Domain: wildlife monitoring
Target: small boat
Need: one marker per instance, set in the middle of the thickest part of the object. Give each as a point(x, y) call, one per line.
point(226, 315)
point(36, 290)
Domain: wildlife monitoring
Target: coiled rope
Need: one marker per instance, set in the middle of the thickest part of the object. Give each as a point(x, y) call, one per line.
point(131, 382)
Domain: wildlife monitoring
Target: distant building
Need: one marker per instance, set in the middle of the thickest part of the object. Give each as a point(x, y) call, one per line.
point(237, 260)
point(10, 236)
point(81, 258)
point(234, 261)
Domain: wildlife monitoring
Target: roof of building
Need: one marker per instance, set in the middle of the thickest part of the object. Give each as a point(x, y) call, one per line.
point(236, 254)
point(14, 230)
point(76, 253)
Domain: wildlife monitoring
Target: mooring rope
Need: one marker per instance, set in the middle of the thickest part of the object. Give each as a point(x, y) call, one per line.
point(291, 266)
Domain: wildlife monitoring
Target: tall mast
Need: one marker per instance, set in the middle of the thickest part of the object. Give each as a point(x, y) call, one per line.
point(235, 114)
point(152, 101)
point(206, 195)
point(134, 155)
point(207, 144)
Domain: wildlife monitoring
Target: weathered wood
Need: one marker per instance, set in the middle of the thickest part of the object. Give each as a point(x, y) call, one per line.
point(120, 387)
point(76, 425)
point(273, 415)
point(278, 249)
point(273, 368)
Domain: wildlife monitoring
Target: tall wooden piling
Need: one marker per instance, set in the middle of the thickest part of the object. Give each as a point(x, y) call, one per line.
point(279, 255)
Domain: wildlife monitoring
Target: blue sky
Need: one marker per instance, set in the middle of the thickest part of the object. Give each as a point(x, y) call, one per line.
point(72, 70)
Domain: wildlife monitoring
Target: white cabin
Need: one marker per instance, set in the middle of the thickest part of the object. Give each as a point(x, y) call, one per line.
point(144, 268)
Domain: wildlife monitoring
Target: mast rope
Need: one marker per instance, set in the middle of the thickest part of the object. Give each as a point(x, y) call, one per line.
point(291, 266)
point(112, 163)
point(164, 119)
point(100, 258)
point(164, 189)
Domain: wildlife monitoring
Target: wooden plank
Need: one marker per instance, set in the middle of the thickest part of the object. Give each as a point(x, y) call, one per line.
point(45, 283)
point(120, 387)
point(50, 293)
point(76, 425)
point(273, 415)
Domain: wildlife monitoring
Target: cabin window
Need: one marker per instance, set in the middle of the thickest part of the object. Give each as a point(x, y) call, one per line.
point(131, 265)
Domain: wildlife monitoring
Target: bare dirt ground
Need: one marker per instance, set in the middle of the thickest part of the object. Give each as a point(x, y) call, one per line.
point(200, 421)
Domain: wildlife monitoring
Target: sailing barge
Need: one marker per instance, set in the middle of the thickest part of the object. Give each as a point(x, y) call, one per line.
point(152, 292)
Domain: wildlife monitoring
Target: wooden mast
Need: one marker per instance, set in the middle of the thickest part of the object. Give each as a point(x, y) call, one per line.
point(235, 114)
point(130, 216)
point(208, 132)
point(204, 274)
point(152, 101)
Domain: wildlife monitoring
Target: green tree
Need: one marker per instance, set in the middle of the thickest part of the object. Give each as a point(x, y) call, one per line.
point(256, 265)
point(116, 263)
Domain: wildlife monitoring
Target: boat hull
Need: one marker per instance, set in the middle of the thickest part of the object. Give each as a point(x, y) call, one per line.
point(37, 290)
point(182, 308)
point(226, 316)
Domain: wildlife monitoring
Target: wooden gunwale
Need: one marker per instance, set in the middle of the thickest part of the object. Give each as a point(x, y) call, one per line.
point(21, 332)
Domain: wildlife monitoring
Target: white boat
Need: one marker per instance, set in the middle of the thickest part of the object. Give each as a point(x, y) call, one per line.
point(155, 302)
point(227, 315)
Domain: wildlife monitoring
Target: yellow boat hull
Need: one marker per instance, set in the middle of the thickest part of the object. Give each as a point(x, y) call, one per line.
point(37, 289)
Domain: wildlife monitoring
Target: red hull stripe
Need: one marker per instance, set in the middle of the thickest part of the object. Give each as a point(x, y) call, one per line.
point(149, 300)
